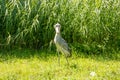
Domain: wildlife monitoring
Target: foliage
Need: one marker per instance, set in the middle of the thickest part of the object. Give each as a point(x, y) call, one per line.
point(29, 23)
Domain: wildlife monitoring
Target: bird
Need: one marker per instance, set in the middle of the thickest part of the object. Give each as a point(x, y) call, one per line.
point(61, 44)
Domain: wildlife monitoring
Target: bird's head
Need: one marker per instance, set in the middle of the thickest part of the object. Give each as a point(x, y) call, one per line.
point(57, 27)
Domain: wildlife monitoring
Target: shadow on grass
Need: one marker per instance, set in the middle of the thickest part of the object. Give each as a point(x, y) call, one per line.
point(25, 54)
point(46, 54)
point(101, 57)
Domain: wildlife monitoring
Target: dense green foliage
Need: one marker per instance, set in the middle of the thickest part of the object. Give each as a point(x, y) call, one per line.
point(91, 25)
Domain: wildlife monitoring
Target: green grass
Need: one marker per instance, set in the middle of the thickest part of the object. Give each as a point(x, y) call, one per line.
point(43, 65)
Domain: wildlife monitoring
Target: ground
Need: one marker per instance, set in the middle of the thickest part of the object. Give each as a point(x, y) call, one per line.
point(43, 65)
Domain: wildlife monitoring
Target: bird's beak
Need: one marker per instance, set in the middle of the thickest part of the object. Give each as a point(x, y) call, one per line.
point(57, 29)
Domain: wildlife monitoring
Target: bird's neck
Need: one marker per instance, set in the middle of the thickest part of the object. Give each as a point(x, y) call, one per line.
point(58, 33)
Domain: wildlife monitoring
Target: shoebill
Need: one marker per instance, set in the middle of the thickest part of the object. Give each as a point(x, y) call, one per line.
point(61, 44)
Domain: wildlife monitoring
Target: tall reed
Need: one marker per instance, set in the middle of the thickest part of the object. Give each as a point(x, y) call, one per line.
point(29, 23)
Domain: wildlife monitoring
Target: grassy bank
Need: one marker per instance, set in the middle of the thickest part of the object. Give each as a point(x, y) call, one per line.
point(43, 65)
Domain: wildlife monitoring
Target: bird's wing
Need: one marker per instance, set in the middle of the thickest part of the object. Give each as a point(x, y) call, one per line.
point(63, 44)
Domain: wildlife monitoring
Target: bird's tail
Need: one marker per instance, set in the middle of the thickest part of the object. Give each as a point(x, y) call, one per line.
point(69, 53)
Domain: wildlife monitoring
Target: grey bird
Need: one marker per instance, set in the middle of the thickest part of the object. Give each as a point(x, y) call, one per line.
point(61, 44)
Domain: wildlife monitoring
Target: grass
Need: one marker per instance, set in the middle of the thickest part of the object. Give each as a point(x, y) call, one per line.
point(92, 25)
point(43, 65)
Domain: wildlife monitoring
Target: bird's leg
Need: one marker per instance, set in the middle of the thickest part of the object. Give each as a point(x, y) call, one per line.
point(58, 57)
point(67, 60)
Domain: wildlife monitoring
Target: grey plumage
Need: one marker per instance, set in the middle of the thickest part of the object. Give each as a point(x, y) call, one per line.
point(61, 44)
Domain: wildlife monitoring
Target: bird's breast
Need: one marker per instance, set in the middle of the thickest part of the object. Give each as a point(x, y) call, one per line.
point(56, 38)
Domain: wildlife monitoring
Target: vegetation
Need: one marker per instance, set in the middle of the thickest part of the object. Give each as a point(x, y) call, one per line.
point(93, 24)
point(91, 28)
point(28, 64)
